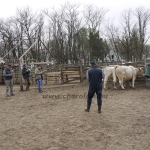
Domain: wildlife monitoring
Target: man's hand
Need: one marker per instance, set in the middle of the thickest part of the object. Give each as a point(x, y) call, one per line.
point(11, 74)
point(44, 71)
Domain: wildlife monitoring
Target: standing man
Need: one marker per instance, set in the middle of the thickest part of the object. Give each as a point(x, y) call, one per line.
point(39, 77)
point(8, 74)
point(94, 75)
point(26, 75)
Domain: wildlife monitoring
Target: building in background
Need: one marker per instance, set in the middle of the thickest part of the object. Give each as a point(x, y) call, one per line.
point(113, 56)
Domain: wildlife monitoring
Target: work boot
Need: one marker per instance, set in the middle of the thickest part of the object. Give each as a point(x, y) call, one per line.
point(27, 88)
point(88, 108)
point(99, 109)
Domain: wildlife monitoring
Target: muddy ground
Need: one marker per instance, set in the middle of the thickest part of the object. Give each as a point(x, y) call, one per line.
point(39, 121)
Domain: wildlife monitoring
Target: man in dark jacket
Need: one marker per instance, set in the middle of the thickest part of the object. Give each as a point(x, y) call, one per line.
point(94, 75)
point(8, 74)
point(26, 75)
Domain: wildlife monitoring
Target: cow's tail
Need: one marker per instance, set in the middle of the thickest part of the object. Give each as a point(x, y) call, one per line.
point(114, 74)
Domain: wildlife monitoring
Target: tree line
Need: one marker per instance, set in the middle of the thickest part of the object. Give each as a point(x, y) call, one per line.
point(71, 34)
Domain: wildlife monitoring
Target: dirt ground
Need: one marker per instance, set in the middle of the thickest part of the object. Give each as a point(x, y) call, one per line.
point(56, 120)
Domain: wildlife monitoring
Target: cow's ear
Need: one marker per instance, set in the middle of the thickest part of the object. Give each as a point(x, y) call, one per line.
point(140, 69)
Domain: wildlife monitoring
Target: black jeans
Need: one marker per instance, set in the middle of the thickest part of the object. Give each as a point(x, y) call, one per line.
point(91, 93)
point(27, 82)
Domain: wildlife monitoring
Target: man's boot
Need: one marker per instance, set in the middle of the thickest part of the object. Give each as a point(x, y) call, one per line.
point(88, 108)
point(27, 88)
point(99, 109)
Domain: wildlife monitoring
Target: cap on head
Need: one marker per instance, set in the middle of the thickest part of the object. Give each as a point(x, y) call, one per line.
point(92, 63)
point(9, 65)
point(24, 65)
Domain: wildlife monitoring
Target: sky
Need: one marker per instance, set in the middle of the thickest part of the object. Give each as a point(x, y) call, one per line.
point(8, 7)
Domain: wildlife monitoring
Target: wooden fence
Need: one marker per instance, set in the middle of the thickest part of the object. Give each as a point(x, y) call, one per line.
point(62, 74)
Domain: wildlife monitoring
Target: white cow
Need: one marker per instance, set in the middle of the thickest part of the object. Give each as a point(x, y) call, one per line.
point(128, 73)
point(109, 71)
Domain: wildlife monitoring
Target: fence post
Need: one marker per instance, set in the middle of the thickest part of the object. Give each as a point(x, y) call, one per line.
point(61, 77)
point(81, 73)
point(20, 76)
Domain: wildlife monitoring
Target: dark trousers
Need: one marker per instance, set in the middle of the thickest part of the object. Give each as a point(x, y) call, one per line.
point(27, 82)
point(91, 93)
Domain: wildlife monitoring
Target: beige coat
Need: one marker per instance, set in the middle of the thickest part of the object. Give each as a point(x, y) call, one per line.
point(38, 73)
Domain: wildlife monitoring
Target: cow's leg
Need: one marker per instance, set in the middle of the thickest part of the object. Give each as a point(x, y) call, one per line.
point(114, 78)
point(114, 84)
point(121, 83)
point(114, 81)
point(133, 81)
point(124, 84)
point(130, 83)
point(105, 83)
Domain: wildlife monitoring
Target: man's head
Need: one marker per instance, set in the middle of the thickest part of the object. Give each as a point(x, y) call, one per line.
point(39, 66)
point(9, 66)
point(24, 66)
point(92, 63)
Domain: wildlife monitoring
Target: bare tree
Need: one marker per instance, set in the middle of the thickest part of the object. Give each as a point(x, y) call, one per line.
point(65, 25)
point(93, 17)
point(128, 26)
point(113, 38)
point(7, 34)
point(56, 34)
point(143, 17)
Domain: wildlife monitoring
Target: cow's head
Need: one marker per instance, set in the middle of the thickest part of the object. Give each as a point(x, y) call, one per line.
point(140, 71)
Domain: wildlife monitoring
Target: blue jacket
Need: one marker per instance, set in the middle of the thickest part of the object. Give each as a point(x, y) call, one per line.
point(95, 75)
point(25, 73)
point(6, 74)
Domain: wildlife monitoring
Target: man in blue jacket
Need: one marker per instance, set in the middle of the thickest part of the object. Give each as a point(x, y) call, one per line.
point(8, 74)
point(94, 75)
point(26, 75)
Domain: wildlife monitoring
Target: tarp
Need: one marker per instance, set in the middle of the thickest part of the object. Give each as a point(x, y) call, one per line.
point(147, 73)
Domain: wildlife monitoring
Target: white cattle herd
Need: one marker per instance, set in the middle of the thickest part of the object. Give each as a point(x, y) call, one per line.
point(123, 73)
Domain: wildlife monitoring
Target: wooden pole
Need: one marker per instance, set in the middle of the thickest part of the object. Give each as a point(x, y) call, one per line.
point(61, 76)
point(29, 49)
point(20, 76)
point(81, 72)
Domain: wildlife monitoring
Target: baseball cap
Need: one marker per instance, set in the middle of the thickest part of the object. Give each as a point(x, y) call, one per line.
point(24, 65)
point(92, 63)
